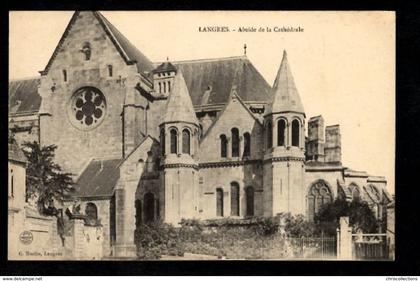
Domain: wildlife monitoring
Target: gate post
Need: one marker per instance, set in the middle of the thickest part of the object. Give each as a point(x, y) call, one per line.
point(344, 247)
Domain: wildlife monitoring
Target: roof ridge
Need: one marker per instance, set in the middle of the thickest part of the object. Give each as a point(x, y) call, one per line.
point(110, 28)
point(25, 78)
point(233, 93)
point(205, 60)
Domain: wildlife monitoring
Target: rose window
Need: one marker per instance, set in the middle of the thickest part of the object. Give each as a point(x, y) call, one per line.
point(88, 107)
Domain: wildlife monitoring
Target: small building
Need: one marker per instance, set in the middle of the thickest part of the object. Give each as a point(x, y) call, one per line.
point(16, 197)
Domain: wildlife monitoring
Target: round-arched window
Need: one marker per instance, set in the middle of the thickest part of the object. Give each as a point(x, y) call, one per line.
point(87, 108)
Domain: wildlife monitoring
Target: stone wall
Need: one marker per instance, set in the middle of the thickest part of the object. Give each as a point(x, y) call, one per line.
point(75, 145)
point(332, 147)
point(36, 238)
point(87, 241)
point(25, 128)
point(222, 176)
point(315, 143)
point(103, 207)
point(234, 116)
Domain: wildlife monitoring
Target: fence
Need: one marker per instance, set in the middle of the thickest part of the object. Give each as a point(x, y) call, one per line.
point(370, 246)
point(315, 247)
point(274, 247)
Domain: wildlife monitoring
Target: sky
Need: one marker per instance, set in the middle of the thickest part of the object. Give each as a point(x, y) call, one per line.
point(343, 63)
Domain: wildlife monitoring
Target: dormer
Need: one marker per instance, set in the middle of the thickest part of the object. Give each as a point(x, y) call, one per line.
point(163, 78)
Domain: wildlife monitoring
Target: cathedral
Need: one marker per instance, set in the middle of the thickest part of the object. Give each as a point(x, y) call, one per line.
point(205, 139)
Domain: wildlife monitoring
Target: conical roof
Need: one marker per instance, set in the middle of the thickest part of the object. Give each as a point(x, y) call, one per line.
point(179, 106)
point(285, 94)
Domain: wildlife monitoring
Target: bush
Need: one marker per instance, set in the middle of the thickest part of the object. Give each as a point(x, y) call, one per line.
point(360, 215)
point(297, 226)
point(252, 238)
point(157, 239)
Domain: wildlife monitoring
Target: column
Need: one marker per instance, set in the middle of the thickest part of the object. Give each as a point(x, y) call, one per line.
point(228, 147)
point(345, 240)
point(78, 238)
point(241, 146)
point(275, 132)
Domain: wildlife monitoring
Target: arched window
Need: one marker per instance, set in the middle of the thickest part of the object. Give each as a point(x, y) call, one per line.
point(174, 141)
point(234, 199)
point(160, 88)
point(110, 72)
point(138, 213)
point(281, 132)
point(269, 129)
point(149, 207)
point(247, 144)
point(162, 141)
point(186, 141)
point(295, 132)
point(219, 202)
point(91, 212)
point(169, 86)
point(235, 142)
point(164, 87)
point(318, 195)
point(355, 192)
point(223, 146)
point(249, 193)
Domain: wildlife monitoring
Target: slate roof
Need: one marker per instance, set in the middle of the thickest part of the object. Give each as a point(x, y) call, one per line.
point(99, 182)
point(130, 52)
point(165, 67)
point(285, 94)
point(179, 106)
point(16, 154)
point(221, 75)
point(322, 164)
point(23, 96)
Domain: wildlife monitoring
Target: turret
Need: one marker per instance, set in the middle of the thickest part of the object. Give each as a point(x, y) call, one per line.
point(284, 123)
point(179, 132)
point(163, 78)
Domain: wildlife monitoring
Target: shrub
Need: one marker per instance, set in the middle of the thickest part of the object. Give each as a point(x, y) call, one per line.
point(359, 213)
point(156, 239)
point(297, 226)
point(266, 225)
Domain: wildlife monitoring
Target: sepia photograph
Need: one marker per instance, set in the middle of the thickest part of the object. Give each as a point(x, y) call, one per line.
point(201, 135)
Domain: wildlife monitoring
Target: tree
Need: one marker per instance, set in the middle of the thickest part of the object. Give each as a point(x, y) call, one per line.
point(11, 137)
point(297, 225)
point(45, 179)
point(359, 213)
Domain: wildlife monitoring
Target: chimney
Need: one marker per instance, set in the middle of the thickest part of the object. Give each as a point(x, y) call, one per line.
point(332, 148)
point(315, 141)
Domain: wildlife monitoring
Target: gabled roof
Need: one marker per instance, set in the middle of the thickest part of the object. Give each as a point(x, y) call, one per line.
point(233, 95)
point(128, 51)
point(23, 96)
point(285, 94)
point(179, 106)
point(220, 75)
point(99, 178)
point(16, 154)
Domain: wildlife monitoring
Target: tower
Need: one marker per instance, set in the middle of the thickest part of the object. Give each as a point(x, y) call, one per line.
point(163, 77)
point(284, 168)
point(179, 131)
